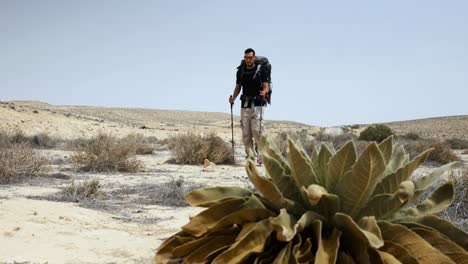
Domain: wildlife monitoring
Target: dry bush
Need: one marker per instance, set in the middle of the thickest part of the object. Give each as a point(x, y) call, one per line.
point(193, 149)
point(441, 152)
point(376, 133)
point(83, 191)
point(410, 136)
point(41, 140)
point(172, 193)
point(20, 160)
point(141, 144)
point(457, 143)
point(105, 153)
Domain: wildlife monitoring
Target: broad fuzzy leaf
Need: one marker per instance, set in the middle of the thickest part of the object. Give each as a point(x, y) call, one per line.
point(443, 244)
point(386, 147)
point(251, 243)
point(437, 202)
point(391, 183)
point(283, 224)
point(270, 191)
point(341, 163)
point(400, 252)
point(301, 168)
point(398, 160)
point(285, 183)
point(213, 216)
point(327, 247)
point(210, 196)
point(269, 148)
point(444, 227)
point(324, 156)
point(419, 248)
point(367, 229)
point(356, 188)
point(381, 206)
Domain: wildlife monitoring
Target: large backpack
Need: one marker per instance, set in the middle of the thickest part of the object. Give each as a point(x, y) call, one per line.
point(261, 61)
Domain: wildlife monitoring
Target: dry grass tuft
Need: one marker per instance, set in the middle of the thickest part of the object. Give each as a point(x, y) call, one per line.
point(19, 160)
point(105, 153)
point(193, 149)
point(83, 191)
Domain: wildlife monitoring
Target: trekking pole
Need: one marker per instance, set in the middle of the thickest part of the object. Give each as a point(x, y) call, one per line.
point(232, 134)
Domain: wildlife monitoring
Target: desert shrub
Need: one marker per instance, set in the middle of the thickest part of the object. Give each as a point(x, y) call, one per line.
point(41, 140)
point(457, 143)
point(410, 136)
point(375, 133)
point(105, 153)
point(192, 149)
point(355, 126)
point(141, 144)
point(441, 152)
point(78, 192)
point(172, 193)
point(20, 160)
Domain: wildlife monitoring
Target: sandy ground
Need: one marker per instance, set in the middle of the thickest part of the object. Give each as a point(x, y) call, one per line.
point(118, 232)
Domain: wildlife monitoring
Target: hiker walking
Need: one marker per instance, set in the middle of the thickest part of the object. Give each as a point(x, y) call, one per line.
point(253, 77)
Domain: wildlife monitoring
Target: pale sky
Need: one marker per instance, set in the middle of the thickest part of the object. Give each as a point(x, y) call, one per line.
point(334, 62)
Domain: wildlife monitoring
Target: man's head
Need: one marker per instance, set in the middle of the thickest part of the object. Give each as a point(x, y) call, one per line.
point(249, 57)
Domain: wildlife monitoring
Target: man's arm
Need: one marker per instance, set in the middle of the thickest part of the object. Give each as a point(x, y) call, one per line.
point(265, 89)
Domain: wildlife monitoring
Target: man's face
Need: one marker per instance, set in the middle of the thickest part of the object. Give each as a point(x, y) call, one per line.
point(249, 59)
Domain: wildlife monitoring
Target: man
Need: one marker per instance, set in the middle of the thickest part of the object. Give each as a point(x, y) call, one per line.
point(253, 80)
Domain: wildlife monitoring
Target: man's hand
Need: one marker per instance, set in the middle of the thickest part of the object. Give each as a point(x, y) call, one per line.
point(231, 99)
point(263, 93)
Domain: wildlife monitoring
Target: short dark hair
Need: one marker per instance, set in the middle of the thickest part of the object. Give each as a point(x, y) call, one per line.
point(249, 50)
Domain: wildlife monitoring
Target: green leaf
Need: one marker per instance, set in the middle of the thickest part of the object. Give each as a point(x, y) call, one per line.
point(398, 160)
point(444, 227)
point(251, 243)
point(206, 220)
point(443, 244)
point(327, 251)
point(367, 229)
point(391, 183)
point(210, 196)
point(419, 248)
point(424, 182)
point(324, 156)
point(301, 168)
point(270, 191)
point(386, 147)
point(388, 258)
point(381, 206)
point(269, 148)
point(206, 252)
point(440, 200)
point(355, 189)
point(341, 163)
point(283, 224)
point(285, 183)
point(398, 251)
